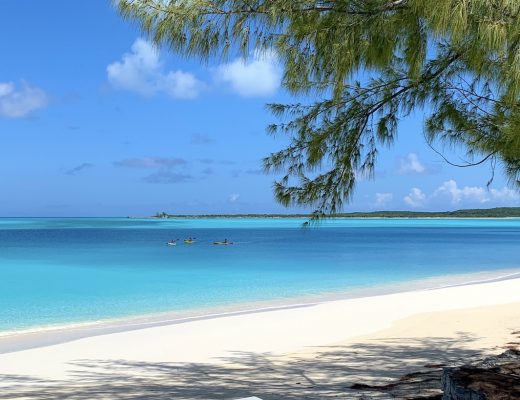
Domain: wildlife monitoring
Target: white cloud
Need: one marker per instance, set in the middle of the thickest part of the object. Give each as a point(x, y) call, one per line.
point(464, 196)
point(416, 198)
point(181, 85)
point(475, 194)
point(383, 198)
point(142, 71)
point(505, 194)
point(472, 193)
point(233, 197)
point(19, 102)
point(411, 164)
point(258, 77)
point(138, 70)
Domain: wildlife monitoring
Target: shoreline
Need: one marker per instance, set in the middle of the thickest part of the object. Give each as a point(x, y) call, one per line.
point(360, 339)
point(31, 338)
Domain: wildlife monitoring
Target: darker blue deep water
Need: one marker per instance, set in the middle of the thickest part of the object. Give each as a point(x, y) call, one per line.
point(73, 270)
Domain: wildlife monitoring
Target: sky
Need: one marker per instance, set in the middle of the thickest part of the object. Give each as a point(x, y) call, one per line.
point(95, 121)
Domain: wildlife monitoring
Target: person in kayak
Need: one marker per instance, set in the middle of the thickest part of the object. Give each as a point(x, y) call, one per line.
point(224, 242)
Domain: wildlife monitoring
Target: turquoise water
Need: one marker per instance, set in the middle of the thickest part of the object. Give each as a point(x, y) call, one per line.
point(69, 270)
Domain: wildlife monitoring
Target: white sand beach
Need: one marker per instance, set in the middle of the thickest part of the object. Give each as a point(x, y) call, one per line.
point(316, 351)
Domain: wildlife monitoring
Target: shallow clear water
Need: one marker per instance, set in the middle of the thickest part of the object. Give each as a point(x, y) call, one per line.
point(73, 270)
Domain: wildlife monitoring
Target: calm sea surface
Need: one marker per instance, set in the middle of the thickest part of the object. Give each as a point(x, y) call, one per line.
point(70, 270)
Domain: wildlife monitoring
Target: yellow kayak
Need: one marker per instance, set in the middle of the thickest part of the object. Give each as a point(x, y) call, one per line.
point(189, 241)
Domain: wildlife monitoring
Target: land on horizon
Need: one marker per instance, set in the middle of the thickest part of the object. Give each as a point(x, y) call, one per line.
point(496, 212)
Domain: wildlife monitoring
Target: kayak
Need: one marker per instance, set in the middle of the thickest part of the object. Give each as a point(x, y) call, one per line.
point(188, 241)
point(172, 243)
point(222, 243)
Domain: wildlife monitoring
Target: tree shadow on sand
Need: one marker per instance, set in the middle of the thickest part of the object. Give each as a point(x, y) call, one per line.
point(358, 371)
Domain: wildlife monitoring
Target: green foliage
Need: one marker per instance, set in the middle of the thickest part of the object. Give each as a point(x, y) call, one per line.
point(368, 64)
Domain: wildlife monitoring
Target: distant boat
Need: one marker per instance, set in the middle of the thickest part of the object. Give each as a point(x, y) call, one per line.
point(172, 243)
point(189, 241)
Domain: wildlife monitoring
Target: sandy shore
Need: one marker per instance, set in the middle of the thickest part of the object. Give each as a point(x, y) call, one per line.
point(316, 351)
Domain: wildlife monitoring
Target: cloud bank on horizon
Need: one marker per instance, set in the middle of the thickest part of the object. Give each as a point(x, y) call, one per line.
point(462, 196)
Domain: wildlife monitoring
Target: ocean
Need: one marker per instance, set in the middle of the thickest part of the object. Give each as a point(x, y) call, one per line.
point(73, 270)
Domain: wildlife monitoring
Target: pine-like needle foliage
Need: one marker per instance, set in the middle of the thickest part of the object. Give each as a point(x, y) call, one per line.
point(368, 64)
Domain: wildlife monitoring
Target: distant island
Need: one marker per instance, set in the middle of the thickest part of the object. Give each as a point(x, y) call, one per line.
point(498, 212)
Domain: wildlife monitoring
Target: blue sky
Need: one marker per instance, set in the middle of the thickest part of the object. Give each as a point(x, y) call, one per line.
point(96, 122)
